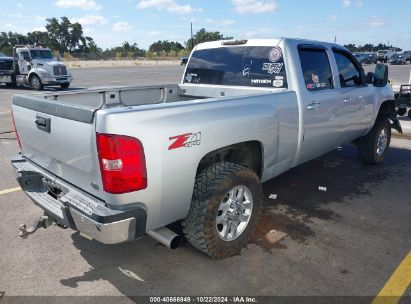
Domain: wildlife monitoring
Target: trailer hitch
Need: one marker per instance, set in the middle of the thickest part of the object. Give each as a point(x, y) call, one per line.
point(43, 221)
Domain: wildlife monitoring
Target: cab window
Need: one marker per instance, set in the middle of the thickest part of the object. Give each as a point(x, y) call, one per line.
point(348, 70)
point(25, 55)
point(255, 66)
point(316, 69)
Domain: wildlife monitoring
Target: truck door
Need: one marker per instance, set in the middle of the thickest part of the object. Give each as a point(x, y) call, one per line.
point(24, 61)
point(356, 97)
point(321, 111)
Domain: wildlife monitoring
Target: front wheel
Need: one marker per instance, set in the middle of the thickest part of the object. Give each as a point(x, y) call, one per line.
point(409, 113)
point(373, 147)
point(35, 83)
point(226, 206)
point(64, 85)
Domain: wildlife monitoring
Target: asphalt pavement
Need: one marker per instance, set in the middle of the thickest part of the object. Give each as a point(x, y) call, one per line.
point(345, 241)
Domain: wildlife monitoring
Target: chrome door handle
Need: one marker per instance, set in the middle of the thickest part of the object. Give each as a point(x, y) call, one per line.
point(313, 106)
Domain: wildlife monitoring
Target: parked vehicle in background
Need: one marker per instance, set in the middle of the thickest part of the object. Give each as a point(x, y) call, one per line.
point(370, 58)
point(403, 100)
point(397, 59)
point(6, 65)
point(360, 57)
point(34, 66)
point(384, 55)
point(407, 55)
point(183, 60)
point(119, 163)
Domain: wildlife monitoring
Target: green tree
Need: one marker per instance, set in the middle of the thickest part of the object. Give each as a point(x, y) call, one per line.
point(64, 35)
point(204, 36)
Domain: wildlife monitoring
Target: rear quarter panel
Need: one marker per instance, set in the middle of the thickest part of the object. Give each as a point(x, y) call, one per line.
point(221, 122)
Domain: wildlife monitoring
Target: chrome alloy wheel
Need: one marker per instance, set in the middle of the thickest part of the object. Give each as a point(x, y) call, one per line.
point(382, 142)
point(234, 213)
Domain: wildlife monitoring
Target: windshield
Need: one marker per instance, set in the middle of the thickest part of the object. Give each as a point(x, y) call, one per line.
point(41, 54)
point(261, 66)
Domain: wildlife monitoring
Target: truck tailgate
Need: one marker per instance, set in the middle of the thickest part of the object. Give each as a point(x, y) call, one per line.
point(59, 138)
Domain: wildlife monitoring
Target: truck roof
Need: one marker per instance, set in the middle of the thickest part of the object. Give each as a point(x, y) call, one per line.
point(264, 42)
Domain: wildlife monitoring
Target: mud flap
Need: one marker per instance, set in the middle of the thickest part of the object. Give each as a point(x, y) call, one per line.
point(396, 125)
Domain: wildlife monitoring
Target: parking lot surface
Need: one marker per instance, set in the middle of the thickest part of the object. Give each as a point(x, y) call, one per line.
point(345, 241)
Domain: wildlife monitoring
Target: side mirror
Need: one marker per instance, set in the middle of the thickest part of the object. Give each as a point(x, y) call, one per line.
point(369, 78)
point(380, 75)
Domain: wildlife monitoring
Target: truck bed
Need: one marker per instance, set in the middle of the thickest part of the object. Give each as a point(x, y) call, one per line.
point(66, 146)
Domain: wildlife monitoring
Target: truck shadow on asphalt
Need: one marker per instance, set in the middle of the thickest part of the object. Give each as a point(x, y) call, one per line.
point(298, 202)
point(299, 198)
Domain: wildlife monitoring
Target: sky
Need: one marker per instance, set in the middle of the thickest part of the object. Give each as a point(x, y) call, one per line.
point(111, 22)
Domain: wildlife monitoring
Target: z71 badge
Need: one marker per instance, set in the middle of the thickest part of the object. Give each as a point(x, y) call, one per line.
point(185, 140)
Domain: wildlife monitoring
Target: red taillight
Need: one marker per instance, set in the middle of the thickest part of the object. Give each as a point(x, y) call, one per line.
point(15, 130)
point(122, 163)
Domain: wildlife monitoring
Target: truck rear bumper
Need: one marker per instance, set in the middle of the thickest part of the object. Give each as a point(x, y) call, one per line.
point(71, 207)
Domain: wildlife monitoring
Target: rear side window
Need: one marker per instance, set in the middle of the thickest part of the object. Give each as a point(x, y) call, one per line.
point(316, 69)
point(348, 70)
point(258, 66)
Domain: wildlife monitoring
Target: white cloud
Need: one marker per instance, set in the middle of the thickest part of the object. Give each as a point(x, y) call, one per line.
point(334, 17)
point(83, 4)
point(89, 31)
point(39, 29)
point(122, 26)
point(19, 5)
point(377, 22)
point(90, 19)
point(357, 3)
point(254, 6)
point(169, 5)
point(40, 18)
point(224, 22)
point(154, 33)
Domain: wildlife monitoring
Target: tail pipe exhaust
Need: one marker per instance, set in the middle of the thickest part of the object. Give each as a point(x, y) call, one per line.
point(166, 237)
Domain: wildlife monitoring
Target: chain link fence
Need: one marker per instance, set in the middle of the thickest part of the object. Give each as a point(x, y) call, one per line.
point(122, 56)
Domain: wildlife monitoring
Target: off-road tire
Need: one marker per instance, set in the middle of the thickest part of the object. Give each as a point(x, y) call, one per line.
point(211, 186)
point(367, 145)
point(35, 83)
point(64, 85)
point(409, 113)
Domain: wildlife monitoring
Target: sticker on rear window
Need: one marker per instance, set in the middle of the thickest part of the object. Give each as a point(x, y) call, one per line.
point(275, 54)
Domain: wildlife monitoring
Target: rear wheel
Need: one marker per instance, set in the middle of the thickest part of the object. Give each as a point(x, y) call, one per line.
point(225, 209)
point(401, 111)
point(35, 83)
point(64, 85)
point(373, 147)
point(409, 113)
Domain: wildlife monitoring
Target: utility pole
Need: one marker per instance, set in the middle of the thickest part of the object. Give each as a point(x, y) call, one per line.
point(192, 42)
point(335, 39)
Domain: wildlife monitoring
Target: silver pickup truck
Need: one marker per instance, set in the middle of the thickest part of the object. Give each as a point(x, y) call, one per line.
point(119, 163)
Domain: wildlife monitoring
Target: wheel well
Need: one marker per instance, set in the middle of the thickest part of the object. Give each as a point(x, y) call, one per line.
point(248, 154)
point(387, 109)
point(31, 76)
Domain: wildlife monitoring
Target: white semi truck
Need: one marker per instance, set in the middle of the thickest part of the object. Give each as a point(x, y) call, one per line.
point(34, 66)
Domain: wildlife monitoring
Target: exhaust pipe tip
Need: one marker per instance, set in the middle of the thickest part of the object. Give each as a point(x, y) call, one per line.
point(166, 237)
point(175, 243)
